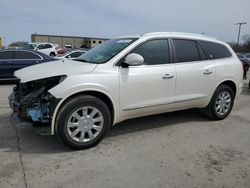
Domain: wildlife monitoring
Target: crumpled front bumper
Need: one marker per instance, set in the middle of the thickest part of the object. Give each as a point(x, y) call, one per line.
point(31, 108)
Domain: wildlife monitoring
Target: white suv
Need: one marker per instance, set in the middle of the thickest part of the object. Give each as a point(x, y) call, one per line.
point(46, 48)
point(124, 78)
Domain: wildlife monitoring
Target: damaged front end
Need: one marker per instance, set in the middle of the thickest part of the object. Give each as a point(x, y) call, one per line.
point(31, 102)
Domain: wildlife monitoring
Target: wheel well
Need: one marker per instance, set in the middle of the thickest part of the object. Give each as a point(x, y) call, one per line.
point(97, 94)
point(52, 53)
point(230, 84)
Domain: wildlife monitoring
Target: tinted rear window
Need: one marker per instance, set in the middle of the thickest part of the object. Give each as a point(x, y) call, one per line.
point(186, 50)
point(201, 52)
point(215, 50)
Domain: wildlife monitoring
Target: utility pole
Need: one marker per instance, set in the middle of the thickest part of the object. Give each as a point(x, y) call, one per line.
point(239, 24)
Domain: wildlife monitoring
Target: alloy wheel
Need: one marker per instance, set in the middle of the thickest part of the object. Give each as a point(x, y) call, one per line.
point(85, 124)
point(223, 103)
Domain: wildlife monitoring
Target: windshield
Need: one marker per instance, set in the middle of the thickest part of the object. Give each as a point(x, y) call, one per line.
point(106, 51)
point(32, 46)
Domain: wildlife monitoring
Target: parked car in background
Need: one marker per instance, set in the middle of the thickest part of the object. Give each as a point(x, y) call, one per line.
point(15, 59)
point(243, 58)
point(248, 56)
point(62, 51)
point(124, 78)
point(20, 45)
point(245, 64)
point(72, 54)
point(46, 48)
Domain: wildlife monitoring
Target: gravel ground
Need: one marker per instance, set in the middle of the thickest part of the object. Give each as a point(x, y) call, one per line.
point(180, 149)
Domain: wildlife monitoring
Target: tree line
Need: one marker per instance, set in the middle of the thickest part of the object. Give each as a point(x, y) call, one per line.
point(242, 47)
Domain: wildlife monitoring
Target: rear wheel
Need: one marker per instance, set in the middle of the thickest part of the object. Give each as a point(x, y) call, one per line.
point(83, 122)
point(221, 103)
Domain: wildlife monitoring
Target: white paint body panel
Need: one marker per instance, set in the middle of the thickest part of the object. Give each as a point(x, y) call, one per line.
point(141, 90)
point(193, 86)
point(143, 87)
point(53, 68)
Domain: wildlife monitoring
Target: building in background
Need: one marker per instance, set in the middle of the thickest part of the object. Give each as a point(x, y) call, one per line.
point(68, 41)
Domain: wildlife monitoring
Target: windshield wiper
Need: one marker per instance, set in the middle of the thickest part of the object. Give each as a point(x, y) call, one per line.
point(82, 60)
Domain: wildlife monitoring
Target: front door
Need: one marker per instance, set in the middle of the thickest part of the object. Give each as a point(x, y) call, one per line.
point(148, 88)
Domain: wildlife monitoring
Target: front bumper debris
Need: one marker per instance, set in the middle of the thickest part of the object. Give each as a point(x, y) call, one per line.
point(14, 106)
point(35, 106)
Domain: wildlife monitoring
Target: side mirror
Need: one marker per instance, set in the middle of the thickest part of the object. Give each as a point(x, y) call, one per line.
point(134, 59)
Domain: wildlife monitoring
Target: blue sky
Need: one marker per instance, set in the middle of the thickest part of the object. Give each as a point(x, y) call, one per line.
point(111, 18)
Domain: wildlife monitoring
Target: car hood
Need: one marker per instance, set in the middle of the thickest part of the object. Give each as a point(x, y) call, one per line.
point(53, 68)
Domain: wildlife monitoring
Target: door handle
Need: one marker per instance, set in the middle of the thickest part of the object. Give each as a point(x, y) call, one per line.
point(168, 76)
point(207, 72)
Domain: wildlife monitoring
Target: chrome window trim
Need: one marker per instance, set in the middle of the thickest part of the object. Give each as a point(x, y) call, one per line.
point(202, 61)
point(145, 66)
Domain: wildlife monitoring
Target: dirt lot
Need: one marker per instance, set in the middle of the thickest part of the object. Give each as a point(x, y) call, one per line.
point(181, 149)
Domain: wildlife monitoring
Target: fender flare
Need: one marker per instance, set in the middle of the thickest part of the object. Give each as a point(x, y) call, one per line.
point(54, 116)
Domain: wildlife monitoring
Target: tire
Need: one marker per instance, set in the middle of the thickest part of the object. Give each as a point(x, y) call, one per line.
point(214, 109)
point(77, 114)
point(52, 54)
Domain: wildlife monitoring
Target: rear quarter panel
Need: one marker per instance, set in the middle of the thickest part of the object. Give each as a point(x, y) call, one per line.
point(229, 69)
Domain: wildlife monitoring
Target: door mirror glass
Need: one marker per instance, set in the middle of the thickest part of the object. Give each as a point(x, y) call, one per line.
point(134, 59)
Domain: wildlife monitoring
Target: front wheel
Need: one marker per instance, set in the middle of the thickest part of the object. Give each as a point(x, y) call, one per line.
point(221, 103)
point(83, 122)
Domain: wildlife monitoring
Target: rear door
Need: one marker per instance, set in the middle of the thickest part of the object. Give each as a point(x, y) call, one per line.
point(6, 71)
point(195, 73)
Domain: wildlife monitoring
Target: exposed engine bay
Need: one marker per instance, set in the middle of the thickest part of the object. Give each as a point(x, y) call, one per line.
point(31, 101)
